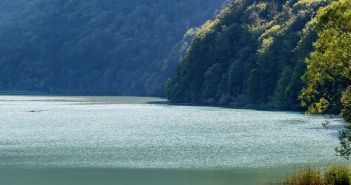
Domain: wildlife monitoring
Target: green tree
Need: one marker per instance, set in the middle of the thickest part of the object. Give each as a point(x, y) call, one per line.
point(260, 45)
point(211, 82)
point(329, 66)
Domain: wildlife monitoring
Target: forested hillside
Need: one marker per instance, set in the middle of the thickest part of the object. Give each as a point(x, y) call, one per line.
point(122, 47)
point(252, 53)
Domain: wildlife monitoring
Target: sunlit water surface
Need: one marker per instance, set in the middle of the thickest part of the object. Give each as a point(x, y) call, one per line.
point(47, 140)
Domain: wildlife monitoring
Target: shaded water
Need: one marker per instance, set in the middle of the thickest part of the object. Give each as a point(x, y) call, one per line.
point(124, 140)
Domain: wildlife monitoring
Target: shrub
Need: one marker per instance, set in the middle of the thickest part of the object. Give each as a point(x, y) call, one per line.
point(337, 176)
point(307, 177)
point(333, 176)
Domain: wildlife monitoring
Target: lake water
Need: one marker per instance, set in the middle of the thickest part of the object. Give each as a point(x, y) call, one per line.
point(48, 140)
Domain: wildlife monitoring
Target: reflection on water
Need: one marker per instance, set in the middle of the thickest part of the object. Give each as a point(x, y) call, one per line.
point(124, 140)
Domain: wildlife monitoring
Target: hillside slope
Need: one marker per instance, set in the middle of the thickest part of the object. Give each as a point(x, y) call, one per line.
point(252, 53)
point(122, 47)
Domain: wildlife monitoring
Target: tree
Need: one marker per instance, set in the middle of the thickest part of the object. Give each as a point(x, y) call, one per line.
point(346, 102)
point(211, 81)
point(329, 66)
point(260, 45)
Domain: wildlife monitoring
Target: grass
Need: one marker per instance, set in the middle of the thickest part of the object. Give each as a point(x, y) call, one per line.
point(340, 175)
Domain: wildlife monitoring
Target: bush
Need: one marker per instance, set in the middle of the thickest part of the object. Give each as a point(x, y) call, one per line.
point(333, 176)
point(337, 176)
point(307, 177)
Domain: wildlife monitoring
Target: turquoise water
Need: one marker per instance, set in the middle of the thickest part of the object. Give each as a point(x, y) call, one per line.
point(52, 140)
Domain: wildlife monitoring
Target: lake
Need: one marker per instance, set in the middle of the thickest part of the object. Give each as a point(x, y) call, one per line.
point(63, 140)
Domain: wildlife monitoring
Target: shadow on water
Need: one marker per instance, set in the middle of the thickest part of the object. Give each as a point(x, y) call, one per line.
point(335, 128)
point(263, 108)
point(95, 176)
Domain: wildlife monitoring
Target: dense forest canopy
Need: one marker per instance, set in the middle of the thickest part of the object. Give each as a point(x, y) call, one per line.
point(122, 47)
point(252, 53)
point(284, 54)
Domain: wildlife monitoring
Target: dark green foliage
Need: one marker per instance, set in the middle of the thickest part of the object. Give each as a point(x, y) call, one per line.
point(260, 47)
point(346, 102)
point(123, 47)
point(212, 79)
point(340, 175)
point(345, 143)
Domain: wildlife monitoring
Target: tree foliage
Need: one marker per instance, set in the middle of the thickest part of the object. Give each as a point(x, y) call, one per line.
point(329, 65)
point(346, 102)
point(261, 47)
